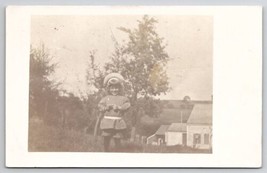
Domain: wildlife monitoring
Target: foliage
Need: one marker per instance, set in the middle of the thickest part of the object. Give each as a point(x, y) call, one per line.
point(142, 60)
point(147, 129)
point(46, 102)
point(43, 91)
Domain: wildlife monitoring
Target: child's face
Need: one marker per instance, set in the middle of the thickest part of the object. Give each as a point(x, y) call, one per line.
point(114, 90)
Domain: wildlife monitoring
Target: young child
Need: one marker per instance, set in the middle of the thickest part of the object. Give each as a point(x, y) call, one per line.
point(113, 107)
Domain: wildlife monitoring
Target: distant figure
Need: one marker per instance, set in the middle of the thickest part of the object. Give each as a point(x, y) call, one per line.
point(113, 107)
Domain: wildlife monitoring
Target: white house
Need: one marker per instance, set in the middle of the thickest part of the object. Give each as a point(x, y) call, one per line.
point(176, 134)
point(159, 137)
point(199, 127)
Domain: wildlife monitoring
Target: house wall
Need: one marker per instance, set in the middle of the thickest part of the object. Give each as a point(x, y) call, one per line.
point(174, 138)
point(194, 130)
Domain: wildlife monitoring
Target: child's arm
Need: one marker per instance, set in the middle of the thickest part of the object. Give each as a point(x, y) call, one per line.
point(126, 105)
point(102, 106)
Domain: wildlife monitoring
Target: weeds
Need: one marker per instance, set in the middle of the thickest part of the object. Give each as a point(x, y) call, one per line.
point(44, 138)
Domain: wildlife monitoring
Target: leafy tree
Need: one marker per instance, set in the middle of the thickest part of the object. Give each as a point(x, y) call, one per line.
point(142, 60)
point(43, 91)
point(55, 107)
point(71, 111)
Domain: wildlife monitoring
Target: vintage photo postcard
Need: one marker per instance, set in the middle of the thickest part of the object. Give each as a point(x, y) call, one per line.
point(133, 86)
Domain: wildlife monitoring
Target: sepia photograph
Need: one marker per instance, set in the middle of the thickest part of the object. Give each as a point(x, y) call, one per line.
point(121, 83)
point(134, 86)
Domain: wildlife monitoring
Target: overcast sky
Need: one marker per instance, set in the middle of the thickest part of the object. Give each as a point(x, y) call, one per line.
point(69, 40)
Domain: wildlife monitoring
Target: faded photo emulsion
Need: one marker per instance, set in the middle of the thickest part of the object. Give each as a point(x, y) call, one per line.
point(121, 83)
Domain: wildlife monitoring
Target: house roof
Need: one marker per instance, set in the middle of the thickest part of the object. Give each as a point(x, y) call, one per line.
point(177, 127)
point(201, 114)
point(162, 129)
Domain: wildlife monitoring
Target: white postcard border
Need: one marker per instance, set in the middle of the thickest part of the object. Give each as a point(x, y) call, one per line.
point(237, 87)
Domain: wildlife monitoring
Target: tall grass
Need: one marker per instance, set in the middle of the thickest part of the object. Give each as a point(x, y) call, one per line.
point(44, 138)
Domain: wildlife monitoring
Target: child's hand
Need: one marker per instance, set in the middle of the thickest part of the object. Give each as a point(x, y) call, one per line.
point(102, 108)
point(116, 108)
point(109, 107)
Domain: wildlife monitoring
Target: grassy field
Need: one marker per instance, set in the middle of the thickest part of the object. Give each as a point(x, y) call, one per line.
point(49, 138)
point(44, 138)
